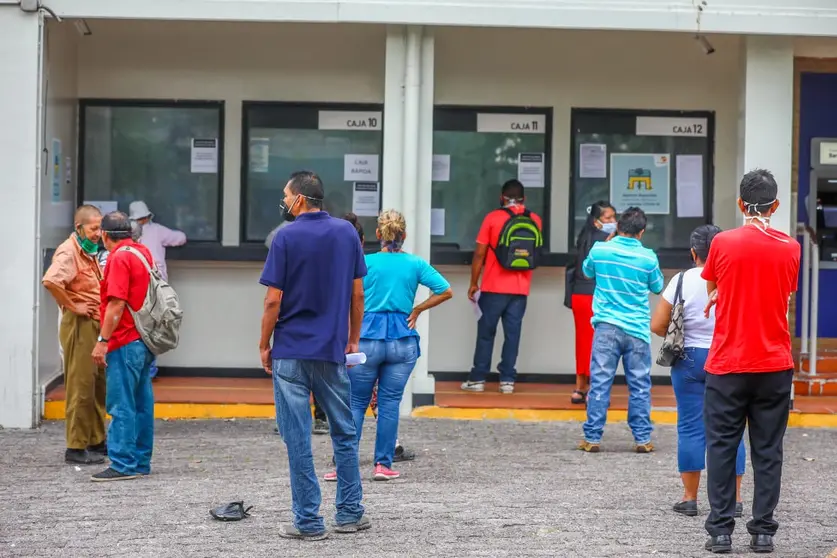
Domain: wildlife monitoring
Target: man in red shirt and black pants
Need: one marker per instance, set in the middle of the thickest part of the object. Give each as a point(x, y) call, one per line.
point(502, 294)
point(130, 399)
point(751, 273)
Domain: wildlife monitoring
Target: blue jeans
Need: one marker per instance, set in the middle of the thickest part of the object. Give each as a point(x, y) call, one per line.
point(153, 372)
point(496, 307)
point(611, 343)
point(689, 381)
point(389, 363)
point(293, 382)
point(130, 403)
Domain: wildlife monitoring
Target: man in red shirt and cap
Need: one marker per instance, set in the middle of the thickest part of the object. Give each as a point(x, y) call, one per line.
point(751, 273)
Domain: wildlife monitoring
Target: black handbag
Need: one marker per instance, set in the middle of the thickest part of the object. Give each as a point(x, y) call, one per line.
point(569, 284)
point(674, 344)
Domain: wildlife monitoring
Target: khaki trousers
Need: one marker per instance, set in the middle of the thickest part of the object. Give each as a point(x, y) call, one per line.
point(84, 382)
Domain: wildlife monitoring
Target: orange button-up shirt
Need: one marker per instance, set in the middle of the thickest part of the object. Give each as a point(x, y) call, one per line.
point(78, 273)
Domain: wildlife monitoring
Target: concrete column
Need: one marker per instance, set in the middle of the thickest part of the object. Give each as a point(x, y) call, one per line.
point(766, 117)
point(20, 64)
point(395, 74)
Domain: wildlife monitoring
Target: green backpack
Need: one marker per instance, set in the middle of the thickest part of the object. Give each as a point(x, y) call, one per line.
point(520, 242)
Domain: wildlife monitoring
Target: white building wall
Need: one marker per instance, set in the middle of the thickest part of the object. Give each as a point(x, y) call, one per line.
point(561, 69)
point(19, 161)
point(57, 205)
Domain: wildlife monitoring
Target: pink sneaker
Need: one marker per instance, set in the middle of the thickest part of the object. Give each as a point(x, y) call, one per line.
point(384, 473)
point(330, 477)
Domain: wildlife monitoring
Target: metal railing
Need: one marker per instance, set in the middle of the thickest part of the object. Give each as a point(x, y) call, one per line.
point(810, 296)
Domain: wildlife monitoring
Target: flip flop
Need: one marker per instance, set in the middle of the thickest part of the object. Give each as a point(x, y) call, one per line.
point(582, 397)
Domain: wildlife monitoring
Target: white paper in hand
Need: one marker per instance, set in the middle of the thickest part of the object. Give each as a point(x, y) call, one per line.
point(476, 305)
point(353, 359)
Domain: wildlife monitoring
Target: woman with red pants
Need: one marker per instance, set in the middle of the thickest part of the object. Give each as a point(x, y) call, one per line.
point(600, 226)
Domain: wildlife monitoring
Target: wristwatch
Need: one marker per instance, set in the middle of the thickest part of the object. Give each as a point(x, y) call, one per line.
point(101, 340)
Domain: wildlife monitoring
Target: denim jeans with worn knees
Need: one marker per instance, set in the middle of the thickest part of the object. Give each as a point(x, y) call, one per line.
point(130, 403)
point(610, 344)
point(293, 382)
point(389, 363)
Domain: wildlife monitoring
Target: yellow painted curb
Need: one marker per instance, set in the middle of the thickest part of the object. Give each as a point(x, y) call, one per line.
point(55, 410)
point(796, 420)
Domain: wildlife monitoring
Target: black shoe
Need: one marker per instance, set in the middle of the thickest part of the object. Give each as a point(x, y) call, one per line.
point(721, 544)
point(110, 474)
point(99, 448)
point(739, 509)
point(402, 454)
point(320, 427)
point(761, 544)
point(687, 507)
point(83, 457)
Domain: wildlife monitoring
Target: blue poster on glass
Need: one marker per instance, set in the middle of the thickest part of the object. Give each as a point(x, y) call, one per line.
point(640, 180)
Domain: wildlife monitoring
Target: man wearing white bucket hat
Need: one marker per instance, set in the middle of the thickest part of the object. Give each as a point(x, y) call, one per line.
point(154, 235)
point(156, 238)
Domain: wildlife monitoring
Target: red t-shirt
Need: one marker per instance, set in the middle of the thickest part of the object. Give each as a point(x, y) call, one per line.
point(496, 278)
point(756, 272)
point(125, 279)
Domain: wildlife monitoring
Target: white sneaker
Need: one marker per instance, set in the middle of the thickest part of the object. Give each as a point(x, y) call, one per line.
point(506, 387)
point(477, 387)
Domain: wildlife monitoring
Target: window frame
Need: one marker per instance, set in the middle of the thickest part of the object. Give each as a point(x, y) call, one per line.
point(84, 103)
point(667, 255)
point(464, 119)
point(305, 105)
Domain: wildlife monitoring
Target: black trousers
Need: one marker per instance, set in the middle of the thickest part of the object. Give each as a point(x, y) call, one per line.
point(760, 401)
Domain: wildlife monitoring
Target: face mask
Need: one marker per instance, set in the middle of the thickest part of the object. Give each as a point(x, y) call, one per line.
point(87, 245)
point(750, 207)
point(609, 228)
point(286, 210)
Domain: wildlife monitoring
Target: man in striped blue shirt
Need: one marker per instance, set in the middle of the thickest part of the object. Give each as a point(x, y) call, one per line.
point(625, 272)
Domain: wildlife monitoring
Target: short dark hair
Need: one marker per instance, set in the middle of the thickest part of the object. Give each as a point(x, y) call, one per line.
point(512, 189)
point(758, 191)
point(701, 240)
point(352, 218)
point(117, 225)
point(632, 222)
point(308, 185)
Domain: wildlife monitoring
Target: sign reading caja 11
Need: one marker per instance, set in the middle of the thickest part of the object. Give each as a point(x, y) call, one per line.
point(671, 126)
point(350, 120)
point(511, 123)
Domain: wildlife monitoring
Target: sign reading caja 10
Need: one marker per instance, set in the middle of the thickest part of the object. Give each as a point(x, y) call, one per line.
point(350, 120)
point(667, 126)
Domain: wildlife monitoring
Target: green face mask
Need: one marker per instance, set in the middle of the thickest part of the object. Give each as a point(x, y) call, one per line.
point(87, 245)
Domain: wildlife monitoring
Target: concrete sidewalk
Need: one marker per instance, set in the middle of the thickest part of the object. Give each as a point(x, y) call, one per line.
point(481, 488)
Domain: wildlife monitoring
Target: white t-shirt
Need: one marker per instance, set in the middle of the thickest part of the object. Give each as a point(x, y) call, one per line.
point(697, 329)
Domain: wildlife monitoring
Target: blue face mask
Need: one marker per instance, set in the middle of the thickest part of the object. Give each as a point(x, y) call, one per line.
point(609, 228)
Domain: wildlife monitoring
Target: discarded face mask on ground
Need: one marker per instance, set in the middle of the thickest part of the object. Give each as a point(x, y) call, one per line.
point(234, 511)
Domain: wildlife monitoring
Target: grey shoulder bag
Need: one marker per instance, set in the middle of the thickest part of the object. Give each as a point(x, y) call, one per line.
point(674, 343)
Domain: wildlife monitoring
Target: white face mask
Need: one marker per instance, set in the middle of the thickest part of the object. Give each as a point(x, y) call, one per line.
point(765, 221)
point(608, 228)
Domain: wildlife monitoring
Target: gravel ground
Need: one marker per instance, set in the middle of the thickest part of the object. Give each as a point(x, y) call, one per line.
point(482, 488)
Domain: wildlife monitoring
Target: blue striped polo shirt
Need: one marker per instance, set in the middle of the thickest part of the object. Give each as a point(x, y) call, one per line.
point(625, 271)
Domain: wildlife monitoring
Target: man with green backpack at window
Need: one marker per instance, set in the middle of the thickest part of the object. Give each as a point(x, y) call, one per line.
point(508, 248)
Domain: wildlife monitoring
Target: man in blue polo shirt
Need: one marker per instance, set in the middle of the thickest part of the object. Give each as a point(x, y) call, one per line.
point(625, 271)
point(313, 310)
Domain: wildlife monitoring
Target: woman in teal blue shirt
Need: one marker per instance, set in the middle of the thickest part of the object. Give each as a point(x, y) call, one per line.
point(388, 336)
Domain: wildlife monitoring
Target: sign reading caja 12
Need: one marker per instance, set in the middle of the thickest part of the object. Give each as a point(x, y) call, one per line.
point(671, 126)
point(511, 123)
point(350, 120)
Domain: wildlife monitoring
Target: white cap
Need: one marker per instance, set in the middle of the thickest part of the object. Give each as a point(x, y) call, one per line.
point(138, 210)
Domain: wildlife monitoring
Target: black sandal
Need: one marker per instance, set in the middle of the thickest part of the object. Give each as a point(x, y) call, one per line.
point(581, 399)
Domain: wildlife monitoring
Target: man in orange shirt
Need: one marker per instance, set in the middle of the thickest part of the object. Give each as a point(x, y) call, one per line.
point(73, 281)
point(501, 295)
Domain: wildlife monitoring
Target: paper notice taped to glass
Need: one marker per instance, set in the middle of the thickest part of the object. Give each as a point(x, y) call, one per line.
point(530, 169)
point(689, 185)
point(365, 199)
point(437, 221)
point(441, 168)
point(204, 156)
point(360, 167)
point(592, 160)
point(475, 304)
